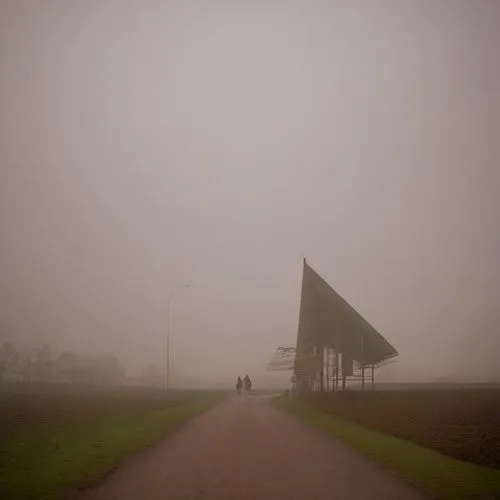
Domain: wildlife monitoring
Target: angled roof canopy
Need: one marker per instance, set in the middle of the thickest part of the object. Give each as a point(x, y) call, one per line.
point(327, 319)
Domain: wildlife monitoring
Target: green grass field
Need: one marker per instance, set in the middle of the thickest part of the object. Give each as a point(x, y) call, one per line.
point(51, 445)
point(441, 476)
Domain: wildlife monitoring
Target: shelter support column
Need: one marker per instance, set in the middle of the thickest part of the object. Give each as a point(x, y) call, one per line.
point(322, 370)
point(336, 370)
point(327, 368)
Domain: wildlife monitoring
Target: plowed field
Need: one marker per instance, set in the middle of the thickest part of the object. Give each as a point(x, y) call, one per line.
point(464, 424)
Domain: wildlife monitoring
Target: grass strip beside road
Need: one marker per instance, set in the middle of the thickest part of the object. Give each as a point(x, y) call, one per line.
point(49, 465)
point(442, 477)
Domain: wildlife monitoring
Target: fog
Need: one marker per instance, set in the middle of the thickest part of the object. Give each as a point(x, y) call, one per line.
point(146, 145)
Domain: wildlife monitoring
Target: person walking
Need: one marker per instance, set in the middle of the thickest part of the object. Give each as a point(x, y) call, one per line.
point(239, 385)
point(248, 384)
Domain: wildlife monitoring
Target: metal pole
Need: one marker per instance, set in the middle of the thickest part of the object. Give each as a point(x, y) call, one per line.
point(167, 373)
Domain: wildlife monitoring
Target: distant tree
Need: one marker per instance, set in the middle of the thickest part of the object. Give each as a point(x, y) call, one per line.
point(67, 359)
point(8, 359)
point(107, 370)
point(152, 376)
point(43, 363)
point(79, 369)
point(25, 364)
point(66, 367)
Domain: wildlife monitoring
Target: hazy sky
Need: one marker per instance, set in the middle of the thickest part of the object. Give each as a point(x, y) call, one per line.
point(148, 144)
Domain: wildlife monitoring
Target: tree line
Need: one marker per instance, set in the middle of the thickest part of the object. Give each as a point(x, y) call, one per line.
point(42, 364)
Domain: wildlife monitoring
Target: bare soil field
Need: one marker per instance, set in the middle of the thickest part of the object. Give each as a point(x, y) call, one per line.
point(463, 424)
point(32, 410)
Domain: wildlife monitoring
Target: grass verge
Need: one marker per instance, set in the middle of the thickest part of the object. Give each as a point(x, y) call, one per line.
point(48, 465)
point(442, 477)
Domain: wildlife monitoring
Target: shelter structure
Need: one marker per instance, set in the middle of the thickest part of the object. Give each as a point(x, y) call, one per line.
point(335, 344)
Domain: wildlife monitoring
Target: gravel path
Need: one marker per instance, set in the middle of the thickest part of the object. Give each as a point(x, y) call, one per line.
point(245, 449)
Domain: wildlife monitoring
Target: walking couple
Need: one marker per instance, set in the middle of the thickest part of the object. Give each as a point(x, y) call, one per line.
point(246, 382)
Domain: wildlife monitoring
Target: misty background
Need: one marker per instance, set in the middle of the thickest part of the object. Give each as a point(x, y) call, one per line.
point(145, 145)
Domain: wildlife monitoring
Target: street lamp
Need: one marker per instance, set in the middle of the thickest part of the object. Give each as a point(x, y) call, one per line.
point(167, 374)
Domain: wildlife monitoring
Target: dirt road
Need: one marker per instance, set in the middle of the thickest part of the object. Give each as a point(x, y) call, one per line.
point(246, 449)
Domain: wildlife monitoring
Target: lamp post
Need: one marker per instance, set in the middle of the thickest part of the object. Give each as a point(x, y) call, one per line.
point(167, 374)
